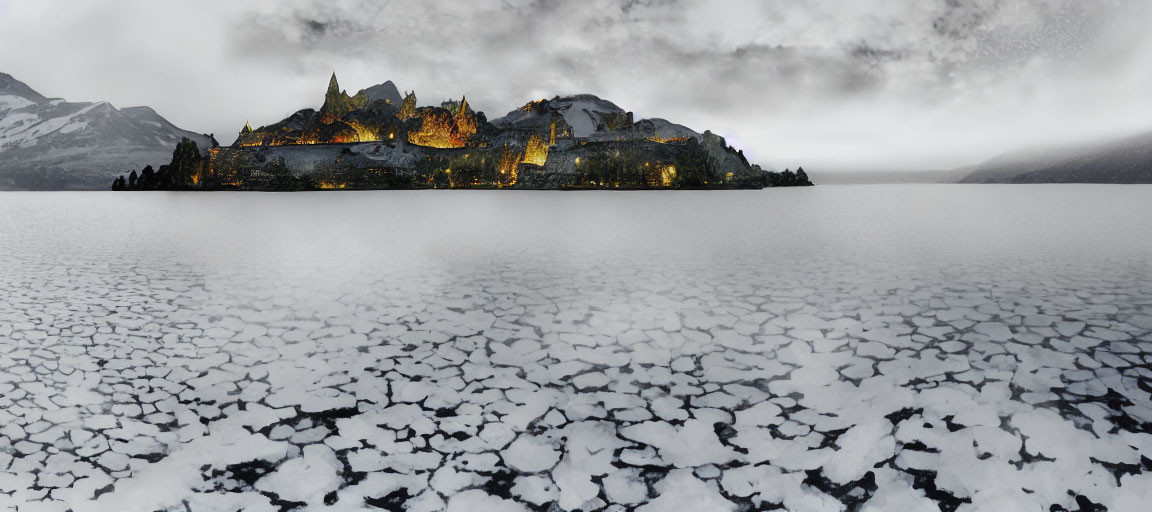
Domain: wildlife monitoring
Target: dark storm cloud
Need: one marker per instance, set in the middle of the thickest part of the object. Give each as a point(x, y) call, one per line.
point(316, 28)
point(554, 44)
point(846, 83)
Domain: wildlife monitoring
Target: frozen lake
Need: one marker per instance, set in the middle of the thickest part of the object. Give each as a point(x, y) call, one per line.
point(904, 348)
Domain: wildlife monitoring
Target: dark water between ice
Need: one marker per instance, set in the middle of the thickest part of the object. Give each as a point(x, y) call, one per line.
point(936, 347)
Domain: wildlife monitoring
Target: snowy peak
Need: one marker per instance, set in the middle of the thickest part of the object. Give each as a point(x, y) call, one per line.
point(591, 116)
point(9, 103)
point(585, 113)
point(50, 143)
point(10, 86)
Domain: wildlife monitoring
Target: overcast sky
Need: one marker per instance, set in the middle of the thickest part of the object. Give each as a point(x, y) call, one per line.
point(828, 84)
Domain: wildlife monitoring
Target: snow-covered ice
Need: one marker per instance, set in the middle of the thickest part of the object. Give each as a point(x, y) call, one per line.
point(234, 352)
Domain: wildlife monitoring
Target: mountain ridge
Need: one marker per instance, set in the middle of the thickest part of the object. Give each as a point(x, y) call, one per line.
point(51, 143)
point(10, 86)
point(1120, 160)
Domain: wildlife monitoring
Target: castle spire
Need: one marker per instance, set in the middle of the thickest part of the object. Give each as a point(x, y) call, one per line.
point(336, 102)
point(247, 127)
point(408, 109)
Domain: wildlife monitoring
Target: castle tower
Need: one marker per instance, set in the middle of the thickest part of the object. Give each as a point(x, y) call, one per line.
point(408, 109)
point(336, 102)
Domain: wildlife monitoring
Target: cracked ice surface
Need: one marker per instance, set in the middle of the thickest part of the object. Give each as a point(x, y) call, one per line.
point(844, 348)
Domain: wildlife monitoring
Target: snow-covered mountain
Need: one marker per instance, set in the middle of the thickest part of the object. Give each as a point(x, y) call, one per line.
point(51, 144)
point(587, 115)
point(584, 113)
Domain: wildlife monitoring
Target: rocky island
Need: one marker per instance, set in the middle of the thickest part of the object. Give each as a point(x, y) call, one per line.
point(379, 139)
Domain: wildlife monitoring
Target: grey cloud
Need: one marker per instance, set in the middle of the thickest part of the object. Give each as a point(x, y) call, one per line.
point(864, 83)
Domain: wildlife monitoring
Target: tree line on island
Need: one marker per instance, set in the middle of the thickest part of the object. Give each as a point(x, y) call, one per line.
point(179, 174)
point(187, 170)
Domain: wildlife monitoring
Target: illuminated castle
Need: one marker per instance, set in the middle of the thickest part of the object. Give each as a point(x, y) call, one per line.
point(378, 138)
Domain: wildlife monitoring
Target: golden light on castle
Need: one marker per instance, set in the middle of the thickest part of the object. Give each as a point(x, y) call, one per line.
point(435, 131)
point(509, 166)
point(537, 151)
point(532, 105)
point(458, 133)
point(466, 125)
point(442, 129)
point(667, 174)
point(365, 133)
point(671, 140)
point(408, 109)
point(249, 139)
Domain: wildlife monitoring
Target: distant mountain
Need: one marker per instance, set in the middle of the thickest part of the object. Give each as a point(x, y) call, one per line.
point(386, 92)
point(892, 177)
point(51, 144)
point(1122, 161)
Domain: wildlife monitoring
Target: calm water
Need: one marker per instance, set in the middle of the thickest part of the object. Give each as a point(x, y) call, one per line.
point(934, 347)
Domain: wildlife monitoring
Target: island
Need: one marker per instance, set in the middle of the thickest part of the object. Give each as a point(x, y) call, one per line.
point(378, 139)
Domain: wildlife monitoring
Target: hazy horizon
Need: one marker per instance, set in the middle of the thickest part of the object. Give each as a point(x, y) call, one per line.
point(836, 86)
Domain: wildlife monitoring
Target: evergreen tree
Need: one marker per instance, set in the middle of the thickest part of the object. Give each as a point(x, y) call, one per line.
point(694, 166)
point(132, 178)
point(185, 164)
point(802, 178)
point(147, 179)
point(787, 178)
point(163, 178)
